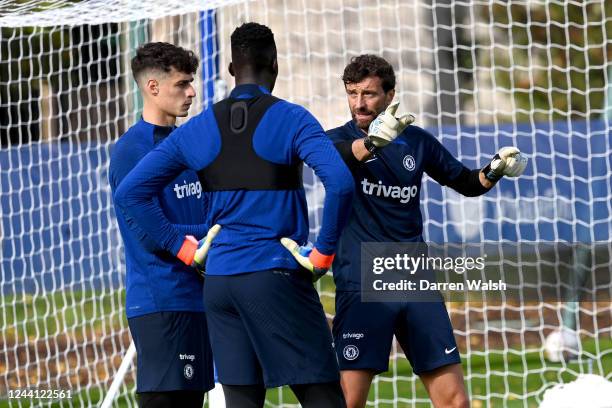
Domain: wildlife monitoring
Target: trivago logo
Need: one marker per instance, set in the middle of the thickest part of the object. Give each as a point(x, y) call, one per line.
point(357, 336)
point(403, 194)
point(188, 190)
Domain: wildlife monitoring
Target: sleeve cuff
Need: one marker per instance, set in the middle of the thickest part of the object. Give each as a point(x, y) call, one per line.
point(188, 250)
point(319, 260)
point(345, 149)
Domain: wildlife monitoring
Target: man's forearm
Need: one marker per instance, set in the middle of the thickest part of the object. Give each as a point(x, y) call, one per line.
point(471, 183)
point(136, 197)
point(359, 150)
point(197, 230)
point(488, 184)
point(353, 153)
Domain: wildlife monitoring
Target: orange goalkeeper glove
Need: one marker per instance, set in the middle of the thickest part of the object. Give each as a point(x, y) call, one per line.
point(309, 257)
point(193, 253)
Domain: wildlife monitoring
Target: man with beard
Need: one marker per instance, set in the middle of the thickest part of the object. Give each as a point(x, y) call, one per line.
point(384, 150)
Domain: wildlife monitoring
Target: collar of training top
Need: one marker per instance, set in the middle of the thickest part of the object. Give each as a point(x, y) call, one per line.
point(248, 91)
point(357, 132)
point(159, 132)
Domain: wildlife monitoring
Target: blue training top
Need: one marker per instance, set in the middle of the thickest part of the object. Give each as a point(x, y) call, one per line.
point(155, 280)
point(386, 207)
point(252, 221)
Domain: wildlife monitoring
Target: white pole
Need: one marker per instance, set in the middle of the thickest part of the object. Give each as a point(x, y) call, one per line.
point(118, 380)
point(216, 398)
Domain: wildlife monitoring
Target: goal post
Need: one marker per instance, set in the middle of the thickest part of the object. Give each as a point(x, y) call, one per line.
point(478, 75)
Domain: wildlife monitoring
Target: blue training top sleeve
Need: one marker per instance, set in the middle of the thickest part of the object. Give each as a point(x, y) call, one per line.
point(123, 159)
point(136, 194)
point(199, 231)
point(313, 146)
point(440, 164)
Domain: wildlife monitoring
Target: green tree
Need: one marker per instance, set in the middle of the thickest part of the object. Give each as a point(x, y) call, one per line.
point(552, 57)
point(66, 57)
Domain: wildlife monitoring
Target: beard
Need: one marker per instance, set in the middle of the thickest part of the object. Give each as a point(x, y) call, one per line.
point(363, 118)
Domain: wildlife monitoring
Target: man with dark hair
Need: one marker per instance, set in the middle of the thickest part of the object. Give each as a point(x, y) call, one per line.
point(267, 324)
point(381, 150)
point(164, 295)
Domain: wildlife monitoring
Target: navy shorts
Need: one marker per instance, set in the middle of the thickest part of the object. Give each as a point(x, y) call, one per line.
point(269, 328)
point(173, 352)
point(363, 333)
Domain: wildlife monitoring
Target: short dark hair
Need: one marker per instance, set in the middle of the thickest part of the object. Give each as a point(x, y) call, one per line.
point(367, 65)
point(253, 44)
point(162, 57)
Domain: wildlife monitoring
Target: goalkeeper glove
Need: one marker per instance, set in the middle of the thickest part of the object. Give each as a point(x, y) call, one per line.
point(386, 127)
point(193, 253)
point(507, 162)
point(309, 257)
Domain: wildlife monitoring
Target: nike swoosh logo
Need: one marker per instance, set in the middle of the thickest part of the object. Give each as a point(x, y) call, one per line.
point(372, 159)
point(449, 351)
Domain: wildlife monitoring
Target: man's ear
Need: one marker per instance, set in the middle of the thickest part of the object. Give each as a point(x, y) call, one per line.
point(390, 96)
point(275, 67)
point(152, 87)
point(230, 68)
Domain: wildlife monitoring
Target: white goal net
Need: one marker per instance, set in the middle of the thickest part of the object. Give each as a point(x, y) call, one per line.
point(478, 75)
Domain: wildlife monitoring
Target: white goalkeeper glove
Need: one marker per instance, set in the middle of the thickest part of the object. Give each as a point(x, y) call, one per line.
point(507, 162)
point(386, 127)
point(309, 257)
point(193, 253)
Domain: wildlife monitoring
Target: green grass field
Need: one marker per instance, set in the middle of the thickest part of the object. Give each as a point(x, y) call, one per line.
point(29, 315)
point(494, 390)
point(510, 379)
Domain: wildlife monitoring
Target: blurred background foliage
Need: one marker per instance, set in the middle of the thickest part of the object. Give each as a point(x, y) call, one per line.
point(575, 63)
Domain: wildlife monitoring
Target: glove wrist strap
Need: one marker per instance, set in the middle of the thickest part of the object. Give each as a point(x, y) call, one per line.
point(490, 174)
point(369, 145)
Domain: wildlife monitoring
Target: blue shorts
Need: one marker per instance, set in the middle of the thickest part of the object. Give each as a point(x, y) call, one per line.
point(363, 334)
point(173, 352)
point(269, 328)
